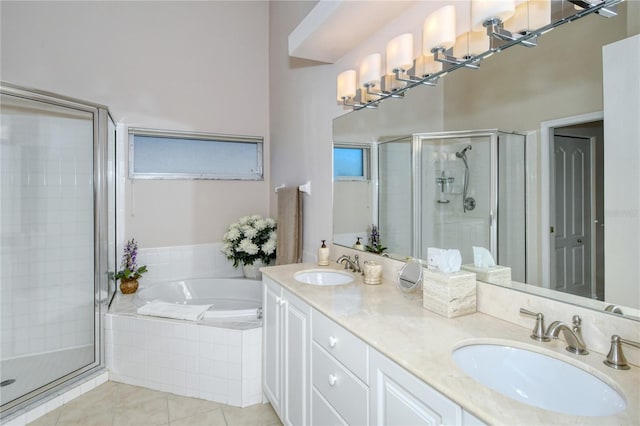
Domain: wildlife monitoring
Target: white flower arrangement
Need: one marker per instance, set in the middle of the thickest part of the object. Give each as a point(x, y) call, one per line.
point(250, 239)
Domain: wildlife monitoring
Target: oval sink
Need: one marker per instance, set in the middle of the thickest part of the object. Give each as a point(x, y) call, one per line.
point(322, 277)
point(539, 380)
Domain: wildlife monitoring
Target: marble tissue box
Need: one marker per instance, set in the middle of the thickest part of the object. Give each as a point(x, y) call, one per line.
point(496, 275)
point(449, 295)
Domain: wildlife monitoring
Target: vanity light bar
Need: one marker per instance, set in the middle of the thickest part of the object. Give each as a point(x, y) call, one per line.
point(499, 38)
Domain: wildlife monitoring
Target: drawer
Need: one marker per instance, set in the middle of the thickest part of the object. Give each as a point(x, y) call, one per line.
point(342, 390)
point(323, 414)
point(340, 343)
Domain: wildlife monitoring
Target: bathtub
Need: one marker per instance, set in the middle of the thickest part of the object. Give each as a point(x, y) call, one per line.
point(232, 298)
point(218, 358)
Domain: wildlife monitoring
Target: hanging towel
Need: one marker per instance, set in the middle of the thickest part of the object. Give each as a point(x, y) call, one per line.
point(289, 246)
point(158, 308)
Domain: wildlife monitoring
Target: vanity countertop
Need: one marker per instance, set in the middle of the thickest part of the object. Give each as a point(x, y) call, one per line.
point(422, 342)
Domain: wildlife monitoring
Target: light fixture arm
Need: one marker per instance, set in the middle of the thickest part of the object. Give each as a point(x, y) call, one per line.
point(356, 102)
point(382, 94)
point(412, 79)
point(448, 60)
point(499, 36)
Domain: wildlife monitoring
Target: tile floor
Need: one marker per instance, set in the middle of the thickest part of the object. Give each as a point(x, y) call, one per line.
point(118, 404)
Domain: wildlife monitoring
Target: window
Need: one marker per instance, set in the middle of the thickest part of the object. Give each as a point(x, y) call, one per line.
point(350, 163)
point(157, 154)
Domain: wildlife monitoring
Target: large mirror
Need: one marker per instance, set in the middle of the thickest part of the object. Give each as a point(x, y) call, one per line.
point(508, 157)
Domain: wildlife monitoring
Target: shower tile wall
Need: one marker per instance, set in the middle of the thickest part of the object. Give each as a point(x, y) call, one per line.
point(395, 205)
point(446, 225)
point(46, 224)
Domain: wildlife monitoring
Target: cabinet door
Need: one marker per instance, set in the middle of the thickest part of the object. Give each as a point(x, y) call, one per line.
point(272, 352)
point(296, 361)
point(399, 398)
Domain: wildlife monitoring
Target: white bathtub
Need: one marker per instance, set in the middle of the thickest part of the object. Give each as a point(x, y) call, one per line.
point(232, 298)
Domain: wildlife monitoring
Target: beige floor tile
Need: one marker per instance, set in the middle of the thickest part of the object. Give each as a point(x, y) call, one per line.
point(104, 396)
point(255, 415)
point(182, 406)
point(142, 413)
point(128, 394)
point(85, 416)
point(49, 419)
point(209, 418)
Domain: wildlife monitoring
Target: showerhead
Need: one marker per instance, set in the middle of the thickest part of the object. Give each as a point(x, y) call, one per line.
point(462, 154)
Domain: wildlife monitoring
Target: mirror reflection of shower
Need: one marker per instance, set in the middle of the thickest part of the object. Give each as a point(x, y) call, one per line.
point(468, 203)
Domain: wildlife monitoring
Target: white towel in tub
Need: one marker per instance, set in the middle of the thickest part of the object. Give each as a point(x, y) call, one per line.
point(158, 308)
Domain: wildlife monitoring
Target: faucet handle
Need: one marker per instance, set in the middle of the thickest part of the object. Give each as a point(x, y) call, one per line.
point(538, 332)
point(615, 357)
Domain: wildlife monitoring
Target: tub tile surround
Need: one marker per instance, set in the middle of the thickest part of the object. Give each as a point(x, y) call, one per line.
point(422, 342)
point(189, 261)
point(185, 358)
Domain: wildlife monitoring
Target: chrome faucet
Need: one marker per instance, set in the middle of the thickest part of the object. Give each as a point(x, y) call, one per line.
point(572, 335)
point(348, 263)
point(538, 332)
point(615, 357)
point(356, 264)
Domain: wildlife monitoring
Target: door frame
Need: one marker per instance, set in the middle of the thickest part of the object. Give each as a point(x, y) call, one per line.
point(547, 129)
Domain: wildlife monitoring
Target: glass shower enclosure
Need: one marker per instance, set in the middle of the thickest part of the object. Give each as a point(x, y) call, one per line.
point(462, 189)
point(57, 225)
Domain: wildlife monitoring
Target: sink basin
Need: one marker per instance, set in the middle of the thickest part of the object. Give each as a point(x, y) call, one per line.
point(539, 380)
point(323, 277)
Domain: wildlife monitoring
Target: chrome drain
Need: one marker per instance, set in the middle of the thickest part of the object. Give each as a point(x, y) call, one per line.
point(6, 382)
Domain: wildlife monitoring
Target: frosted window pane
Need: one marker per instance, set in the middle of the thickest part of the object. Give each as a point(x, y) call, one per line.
point(164, 157)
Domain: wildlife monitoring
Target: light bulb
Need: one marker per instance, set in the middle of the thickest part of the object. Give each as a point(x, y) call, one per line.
point(439, 29)
point(400, 53)
point(347, 85)
point(370, 69)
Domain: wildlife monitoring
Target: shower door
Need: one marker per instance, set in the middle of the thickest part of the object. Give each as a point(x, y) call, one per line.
point(457, 192)
point(395, 195)
point(52, 222)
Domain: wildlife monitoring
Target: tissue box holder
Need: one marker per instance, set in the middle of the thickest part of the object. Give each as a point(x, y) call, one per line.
point(449, 295)
point(500, 275)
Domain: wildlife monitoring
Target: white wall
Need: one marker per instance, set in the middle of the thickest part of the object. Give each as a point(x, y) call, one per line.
point(191, 66)
point(622, 193)
point(303, 105)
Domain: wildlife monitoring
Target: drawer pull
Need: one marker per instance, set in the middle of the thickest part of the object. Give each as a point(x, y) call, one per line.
point(332, 341)
point(332, 379)
point(281, 301)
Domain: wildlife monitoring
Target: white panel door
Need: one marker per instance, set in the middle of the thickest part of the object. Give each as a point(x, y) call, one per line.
point(572, 228)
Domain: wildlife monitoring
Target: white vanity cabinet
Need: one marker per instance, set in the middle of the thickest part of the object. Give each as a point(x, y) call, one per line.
point(286, 373)
point(399, 398)
point(339, 364)
point(318, 373)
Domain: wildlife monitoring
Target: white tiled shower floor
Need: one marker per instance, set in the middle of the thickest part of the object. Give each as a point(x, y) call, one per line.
point(118, 404)
point(32, 372)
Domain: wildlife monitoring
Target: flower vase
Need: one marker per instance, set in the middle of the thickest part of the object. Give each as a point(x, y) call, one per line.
point(128, 286)
point(252, 272)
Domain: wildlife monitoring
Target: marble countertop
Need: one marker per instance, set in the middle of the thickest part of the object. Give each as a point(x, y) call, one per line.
point(422, 342)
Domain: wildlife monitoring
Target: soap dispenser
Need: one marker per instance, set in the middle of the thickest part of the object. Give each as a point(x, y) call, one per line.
point(323, 254)
point(358, 245)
